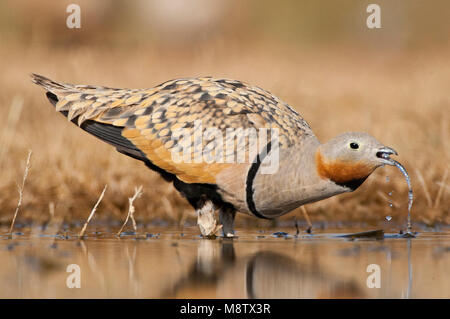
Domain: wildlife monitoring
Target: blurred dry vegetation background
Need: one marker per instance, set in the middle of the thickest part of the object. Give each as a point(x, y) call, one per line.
point(318, 56)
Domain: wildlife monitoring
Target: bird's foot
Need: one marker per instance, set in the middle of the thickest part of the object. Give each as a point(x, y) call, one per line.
point(226, 217)
point(206, 220)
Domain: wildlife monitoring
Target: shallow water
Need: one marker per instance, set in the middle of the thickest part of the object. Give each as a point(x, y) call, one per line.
point(258, 264)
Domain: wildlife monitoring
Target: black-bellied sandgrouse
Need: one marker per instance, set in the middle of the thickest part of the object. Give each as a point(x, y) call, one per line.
point(224, 144)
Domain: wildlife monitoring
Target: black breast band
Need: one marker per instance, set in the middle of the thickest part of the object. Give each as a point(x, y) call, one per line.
point(250, 177)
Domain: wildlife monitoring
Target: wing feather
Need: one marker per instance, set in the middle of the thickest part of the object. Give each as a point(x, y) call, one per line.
point(144, 122)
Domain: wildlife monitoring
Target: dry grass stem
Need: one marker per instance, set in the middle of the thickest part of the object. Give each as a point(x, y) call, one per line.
point(51, 210)
point(92, 212)
point(131, 210)
point(168, 208)
point(8, 132)
point(447, 187)
point(54, 222)
point(20, 189)
point(425, 188)
point(308, 220)
point(441, 189)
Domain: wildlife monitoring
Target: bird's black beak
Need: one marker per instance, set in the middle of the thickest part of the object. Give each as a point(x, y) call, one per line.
point(384, 154)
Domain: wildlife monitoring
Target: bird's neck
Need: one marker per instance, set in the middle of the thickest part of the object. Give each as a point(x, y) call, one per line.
point(296, 182)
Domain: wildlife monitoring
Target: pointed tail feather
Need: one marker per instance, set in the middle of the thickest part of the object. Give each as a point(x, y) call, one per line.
point(50, 85)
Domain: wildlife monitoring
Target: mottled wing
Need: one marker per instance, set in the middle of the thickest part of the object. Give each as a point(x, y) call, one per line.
point(163, 121)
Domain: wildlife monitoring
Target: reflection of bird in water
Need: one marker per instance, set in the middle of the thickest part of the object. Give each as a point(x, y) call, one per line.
point(213, 260)
point(290, 167)
point(272, 275)
point(266, 274)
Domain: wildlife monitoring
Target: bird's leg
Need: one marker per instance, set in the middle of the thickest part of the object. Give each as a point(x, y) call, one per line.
point(226, 218)
point(206, 219)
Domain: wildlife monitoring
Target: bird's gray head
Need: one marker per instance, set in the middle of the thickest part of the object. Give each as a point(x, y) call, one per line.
point(351, 157)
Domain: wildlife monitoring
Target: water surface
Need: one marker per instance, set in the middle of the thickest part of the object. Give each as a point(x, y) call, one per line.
point(179, 264)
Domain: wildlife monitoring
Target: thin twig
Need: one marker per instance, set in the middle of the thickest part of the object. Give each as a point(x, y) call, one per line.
point(20, 189)
point(440, 184)
point(92, 212)
point(131, 210)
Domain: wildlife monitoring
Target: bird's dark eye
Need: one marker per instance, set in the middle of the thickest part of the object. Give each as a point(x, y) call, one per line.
point(354, 145)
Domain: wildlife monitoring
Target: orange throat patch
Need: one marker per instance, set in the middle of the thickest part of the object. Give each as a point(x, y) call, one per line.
point(340, 171)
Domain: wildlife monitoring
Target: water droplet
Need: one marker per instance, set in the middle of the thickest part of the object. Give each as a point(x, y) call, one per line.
point(387, 179)
point(391, 205)
point(388, 218)
point(390, 193)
